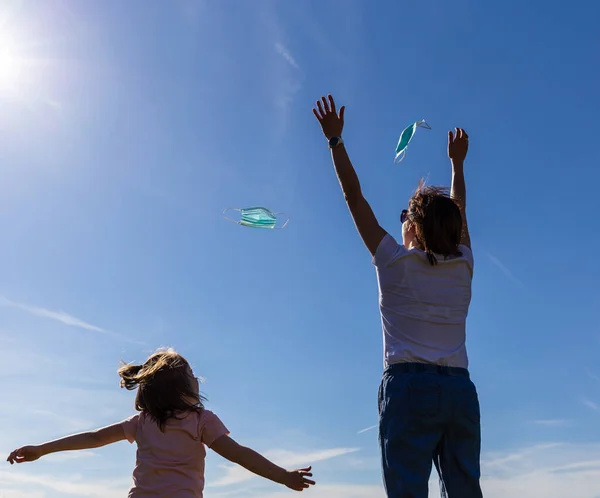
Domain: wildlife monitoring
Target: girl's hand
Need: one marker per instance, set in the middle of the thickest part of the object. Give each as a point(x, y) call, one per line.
point(458, 145)
point(297, 479)
point(25, 454)
point(331, 122)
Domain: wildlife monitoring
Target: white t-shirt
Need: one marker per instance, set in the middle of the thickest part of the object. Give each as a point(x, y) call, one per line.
point(423, 307)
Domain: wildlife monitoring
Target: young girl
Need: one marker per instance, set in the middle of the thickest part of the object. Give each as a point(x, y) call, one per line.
point(171, 431)
point(428, 406)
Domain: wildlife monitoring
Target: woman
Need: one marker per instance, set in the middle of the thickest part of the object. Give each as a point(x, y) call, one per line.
point(428, 406)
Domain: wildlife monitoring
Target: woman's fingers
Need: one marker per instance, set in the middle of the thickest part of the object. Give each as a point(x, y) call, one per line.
point(320, 107)
point(332, 104)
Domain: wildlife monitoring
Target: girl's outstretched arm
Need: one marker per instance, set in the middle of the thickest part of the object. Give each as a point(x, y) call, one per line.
point(83, 441)
point(258, 464)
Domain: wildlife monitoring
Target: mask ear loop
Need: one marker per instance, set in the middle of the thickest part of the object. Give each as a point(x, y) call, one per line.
point(400, 157)
point(228, 218)
point(423, 124)
point(286, 221)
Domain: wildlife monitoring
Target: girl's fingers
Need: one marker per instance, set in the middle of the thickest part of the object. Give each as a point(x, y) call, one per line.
point(317, 115)
point(325, 104)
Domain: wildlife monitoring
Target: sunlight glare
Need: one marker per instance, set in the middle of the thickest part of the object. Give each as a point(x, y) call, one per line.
point(12, 67)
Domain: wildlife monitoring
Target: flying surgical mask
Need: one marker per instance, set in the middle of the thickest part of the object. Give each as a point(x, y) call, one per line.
point(257, 217)
point(406, 137)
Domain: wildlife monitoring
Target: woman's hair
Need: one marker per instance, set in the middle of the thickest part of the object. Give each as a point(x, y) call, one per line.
point(437, 220)
point(164, 384)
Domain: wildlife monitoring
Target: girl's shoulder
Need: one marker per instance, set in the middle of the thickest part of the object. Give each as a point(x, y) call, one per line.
point(210, 427)
point(199, 417)
point(198, 424)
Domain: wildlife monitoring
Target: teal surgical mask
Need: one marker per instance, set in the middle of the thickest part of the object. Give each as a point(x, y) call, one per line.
point(406, 137)
point(257, 217)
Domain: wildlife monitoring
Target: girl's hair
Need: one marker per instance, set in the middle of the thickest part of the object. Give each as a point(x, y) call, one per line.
point(164, 384)
point(437, 220)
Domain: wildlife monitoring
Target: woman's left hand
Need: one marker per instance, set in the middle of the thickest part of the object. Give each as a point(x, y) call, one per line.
point(25, 454)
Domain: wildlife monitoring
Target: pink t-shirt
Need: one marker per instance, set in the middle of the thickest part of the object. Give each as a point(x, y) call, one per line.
point(171, 463)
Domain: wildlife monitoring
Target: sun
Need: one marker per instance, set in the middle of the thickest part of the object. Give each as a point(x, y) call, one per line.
point(11, 69)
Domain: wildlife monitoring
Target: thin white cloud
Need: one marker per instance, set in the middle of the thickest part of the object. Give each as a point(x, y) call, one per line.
point(285, 53)
point(234, 474)
point(509, 274)
point(341, 490)
point(14, 493)
point(69, 456)
point(59, 316)
point(71, 485)
point(590, 404)
point(551, 470)
point(371, 427)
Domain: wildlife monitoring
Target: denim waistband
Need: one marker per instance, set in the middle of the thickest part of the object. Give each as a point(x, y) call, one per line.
point(427, 367)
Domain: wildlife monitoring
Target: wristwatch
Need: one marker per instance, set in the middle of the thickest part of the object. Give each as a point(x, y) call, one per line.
point(335, 142)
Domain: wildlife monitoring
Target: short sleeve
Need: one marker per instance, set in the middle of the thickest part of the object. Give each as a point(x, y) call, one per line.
point(211, 428)
point(467, 254)
point(387, 251)
point(130, 426)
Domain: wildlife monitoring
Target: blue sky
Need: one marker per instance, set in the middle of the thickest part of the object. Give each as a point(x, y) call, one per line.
point(125, 129)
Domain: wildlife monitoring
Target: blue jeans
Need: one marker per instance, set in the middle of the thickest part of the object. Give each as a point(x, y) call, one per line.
point(429, 413)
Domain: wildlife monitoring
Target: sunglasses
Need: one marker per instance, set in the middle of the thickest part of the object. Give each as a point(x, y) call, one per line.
point(403, 215)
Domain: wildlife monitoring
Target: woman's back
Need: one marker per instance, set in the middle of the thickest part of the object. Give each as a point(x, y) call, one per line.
point(171, 463)
point(423, 307)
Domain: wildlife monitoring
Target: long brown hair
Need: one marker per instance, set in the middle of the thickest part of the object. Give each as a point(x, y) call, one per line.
point(164, 384)
point(437, 221)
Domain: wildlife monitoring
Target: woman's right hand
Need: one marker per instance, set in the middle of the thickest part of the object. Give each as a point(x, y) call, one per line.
point(297, 479)
point(331, 122)
point(458, 145)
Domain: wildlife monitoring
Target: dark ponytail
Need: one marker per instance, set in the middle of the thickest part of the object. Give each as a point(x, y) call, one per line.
point(437, 220)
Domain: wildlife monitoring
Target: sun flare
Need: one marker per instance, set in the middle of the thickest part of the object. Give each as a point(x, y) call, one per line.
point(11, 69)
